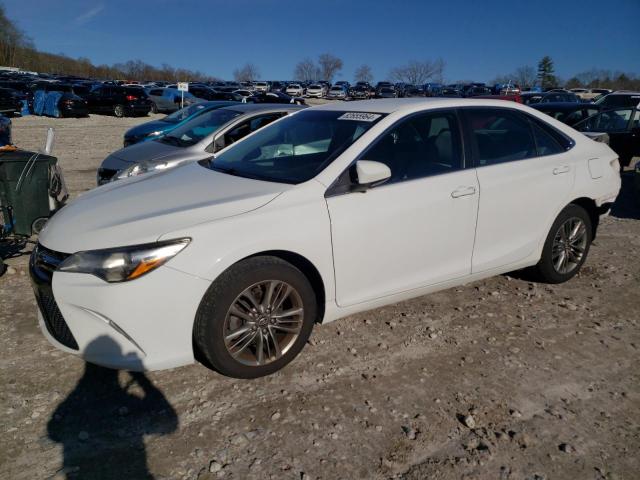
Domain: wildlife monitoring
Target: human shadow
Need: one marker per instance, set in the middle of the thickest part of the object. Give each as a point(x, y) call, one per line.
point(101, 424)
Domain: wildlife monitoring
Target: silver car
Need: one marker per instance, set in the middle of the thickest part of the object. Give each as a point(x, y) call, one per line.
point(197, 139)
point(168, 100)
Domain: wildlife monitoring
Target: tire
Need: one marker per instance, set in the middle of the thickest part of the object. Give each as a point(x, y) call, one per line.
point(547, 268)
point(154, 108)
point(214, 321)
point(118, 111)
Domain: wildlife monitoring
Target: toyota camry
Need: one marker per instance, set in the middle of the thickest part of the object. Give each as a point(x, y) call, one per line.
point(326, 212)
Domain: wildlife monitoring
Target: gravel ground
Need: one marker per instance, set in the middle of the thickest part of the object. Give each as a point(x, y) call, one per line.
point(500, 379)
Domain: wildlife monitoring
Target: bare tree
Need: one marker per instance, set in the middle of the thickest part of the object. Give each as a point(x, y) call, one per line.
point(306, 71)
point(329, 66)
point(248, 73)
point(363, 74)
point(525, 76)
point(417, 73)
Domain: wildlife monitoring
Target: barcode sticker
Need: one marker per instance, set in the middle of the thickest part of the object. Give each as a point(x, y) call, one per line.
point(360, 116)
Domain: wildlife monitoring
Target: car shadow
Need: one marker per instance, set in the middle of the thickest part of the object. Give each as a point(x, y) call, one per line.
point(627, 205)
point(102, 423)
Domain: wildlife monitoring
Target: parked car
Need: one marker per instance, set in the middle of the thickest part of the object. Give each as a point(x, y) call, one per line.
point(202, 91)
point(69, 105)
point(273, 97)
point(432, 89)
point(234, 259)
point(337, 92)
point(387, 92)
point(449, 92)
point(413, 91)
point(316, 90)
point(380, 86)
point(529, 98)
point(261, 86)
point(619, 99)
point(157, 128)
point(360, 92)
point(295, 90)
point(567, 112)
point(589, 94)
point(119, 101)
point(10, 103)
point(199, 138)
point(476, 91)
point(370, 88)
point(168, 100)
point(243, 93)
point(622, 125)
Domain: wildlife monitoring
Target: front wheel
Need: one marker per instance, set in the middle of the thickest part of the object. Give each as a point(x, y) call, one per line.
point(566, 247)
point(255, 318)
point(154, 108)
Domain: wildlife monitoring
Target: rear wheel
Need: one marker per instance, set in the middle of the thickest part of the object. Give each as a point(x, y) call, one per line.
point(118, 111)
point(255, 318)
point(154, 108)
point(566, 247)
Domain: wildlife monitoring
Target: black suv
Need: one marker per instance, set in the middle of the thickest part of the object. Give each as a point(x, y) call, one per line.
point(119, 101)
point(10, 103)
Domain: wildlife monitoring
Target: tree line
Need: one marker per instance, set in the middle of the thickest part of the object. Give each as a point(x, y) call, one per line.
point(545, 77)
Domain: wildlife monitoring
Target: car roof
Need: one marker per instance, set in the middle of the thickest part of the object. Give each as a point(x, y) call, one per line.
point(259, 107)
point(390, 105)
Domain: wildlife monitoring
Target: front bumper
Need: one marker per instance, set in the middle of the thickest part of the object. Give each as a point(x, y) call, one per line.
point(144, 324)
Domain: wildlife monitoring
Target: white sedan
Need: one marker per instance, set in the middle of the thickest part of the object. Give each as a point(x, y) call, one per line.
point(324, 213)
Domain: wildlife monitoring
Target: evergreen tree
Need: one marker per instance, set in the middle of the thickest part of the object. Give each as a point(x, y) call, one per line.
point(546, 72)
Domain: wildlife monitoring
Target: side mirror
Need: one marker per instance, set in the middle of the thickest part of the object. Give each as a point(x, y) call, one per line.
point(370, 173)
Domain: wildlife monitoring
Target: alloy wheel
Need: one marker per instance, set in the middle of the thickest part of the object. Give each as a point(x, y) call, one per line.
point(569, 245)
point(263, 322)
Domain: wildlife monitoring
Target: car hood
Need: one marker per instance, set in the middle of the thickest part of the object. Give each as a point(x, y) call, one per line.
point(150, 151)
point(148, 127)
point(141, 209)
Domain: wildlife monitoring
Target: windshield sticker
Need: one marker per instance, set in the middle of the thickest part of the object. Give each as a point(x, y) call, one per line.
point(360, 116)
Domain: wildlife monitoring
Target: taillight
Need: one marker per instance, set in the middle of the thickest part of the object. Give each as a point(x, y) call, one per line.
point(131, 97)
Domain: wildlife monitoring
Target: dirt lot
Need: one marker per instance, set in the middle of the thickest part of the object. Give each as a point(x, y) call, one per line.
point(501, 379)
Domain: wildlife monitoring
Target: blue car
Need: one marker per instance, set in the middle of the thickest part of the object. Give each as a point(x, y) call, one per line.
point(158, 128)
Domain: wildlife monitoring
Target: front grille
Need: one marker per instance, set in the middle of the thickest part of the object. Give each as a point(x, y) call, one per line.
point(105, 175)
point(53, 319)
point(42, 264)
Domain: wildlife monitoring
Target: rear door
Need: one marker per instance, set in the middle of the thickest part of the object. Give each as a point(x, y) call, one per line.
point(525, 175)
point(415, 230)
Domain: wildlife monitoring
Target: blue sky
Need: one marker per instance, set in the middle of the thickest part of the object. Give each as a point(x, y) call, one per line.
point(477, 39)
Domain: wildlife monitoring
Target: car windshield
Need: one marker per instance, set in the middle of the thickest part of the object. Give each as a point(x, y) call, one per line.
point(296, 148)
point(198, 128)
point(184, 113)
point(608, 121)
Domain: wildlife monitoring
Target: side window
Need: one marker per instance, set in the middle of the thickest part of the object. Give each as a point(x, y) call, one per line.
point(156, 93)
point(423, 145)
point(263, 121)
point(545, 143)
point(500, 135)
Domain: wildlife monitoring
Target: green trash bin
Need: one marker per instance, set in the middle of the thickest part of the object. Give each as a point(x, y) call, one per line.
point(24, 190)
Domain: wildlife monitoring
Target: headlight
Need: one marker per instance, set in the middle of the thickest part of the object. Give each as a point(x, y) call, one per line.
point(142, 167)
point(155, 134)
point(124, 263)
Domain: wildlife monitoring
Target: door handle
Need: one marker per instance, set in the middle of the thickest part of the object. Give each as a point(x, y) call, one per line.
point(463, 191)
point(562, 169)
